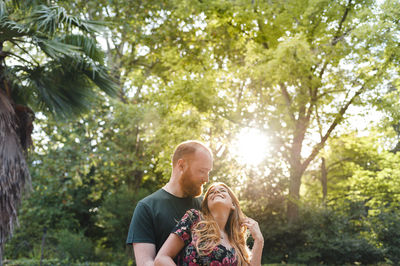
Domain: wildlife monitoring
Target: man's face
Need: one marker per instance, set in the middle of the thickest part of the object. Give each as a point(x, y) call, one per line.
point(195, 174)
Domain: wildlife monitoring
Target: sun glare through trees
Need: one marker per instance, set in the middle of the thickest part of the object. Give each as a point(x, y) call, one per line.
point(251, 146)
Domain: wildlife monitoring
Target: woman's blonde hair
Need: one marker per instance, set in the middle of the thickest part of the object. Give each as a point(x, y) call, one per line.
point(208, 234)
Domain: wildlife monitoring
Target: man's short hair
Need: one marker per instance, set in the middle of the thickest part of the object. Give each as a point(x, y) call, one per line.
point(188, 147)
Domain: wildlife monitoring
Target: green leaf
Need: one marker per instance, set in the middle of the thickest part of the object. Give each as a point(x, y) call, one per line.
point(10, 29)
point(50, 19)
point(87, 45)
point(55, 48)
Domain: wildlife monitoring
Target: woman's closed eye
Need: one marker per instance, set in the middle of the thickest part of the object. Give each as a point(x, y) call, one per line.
point(222, 190)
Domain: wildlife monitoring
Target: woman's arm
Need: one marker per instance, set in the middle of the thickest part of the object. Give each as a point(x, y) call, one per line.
point(255, 232)
point(169, 250)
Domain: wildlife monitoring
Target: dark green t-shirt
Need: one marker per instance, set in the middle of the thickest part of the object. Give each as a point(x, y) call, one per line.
point(156, 215)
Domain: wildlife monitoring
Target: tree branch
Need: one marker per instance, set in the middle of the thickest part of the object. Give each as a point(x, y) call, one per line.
point(346, 12)
point(288, 101)
point(328, 92)
point(337, 36)
point(337, 120)
point(347, 159)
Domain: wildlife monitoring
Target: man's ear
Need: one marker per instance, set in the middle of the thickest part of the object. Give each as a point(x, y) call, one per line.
point(233, 207)
point(181, 164)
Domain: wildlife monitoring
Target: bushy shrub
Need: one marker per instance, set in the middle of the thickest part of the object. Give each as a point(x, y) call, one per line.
point(319, 236)
point(114, 216)
point(387, 229)
point(74, 246)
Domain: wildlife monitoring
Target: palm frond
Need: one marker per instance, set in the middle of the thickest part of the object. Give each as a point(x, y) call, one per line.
point(10, 29)
point(55, 48)
point(88, 46)
point(102, 78)
point(49, 19)
point(60, 92)
point(27, 3)
point(97, 73)
point(67, 86)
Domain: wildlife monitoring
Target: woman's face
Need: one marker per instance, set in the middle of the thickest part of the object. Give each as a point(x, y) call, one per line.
point(218, 195)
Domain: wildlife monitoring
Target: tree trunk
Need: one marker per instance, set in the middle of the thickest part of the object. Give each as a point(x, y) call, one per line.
point(294, 193)
point(14, 173)
point(324, 180)
point(296, 171)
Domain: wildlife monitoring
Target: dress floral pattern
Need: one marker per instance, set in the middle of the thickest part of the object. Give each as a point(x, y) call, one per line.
point(220, 255)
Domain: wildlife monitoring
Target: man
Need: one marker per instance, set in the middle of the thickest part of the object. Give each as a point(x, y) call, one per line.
point(156, 215)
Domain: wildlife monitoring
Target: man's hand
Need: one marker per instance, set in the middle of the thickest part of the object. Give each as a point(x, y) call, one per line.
point(145, 253)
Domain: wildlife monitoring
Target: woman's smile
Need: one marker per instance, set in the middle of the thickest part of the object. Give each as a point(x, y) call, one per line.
point(218, 195)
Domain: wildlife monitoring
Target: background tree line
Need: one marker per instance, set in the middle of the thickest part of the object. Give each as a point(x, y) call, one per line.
point(300, 71)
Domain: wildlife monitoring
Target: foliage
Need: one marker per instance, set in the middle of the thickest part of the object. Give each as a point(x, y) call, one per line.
point(116, 213)
point(278, 66)
point(320, 236)
point(74, 246)
point(359, 169)
point(49, 62)
point(386, 227)
point(59, 77)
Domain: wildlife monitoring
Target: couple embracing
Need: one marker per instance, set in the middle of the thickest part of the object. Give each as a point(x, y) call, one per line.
point(175, 226)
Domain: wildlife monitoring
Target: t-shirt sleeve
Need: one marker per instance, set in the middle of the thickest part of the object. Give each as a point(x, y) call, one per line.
point(141, 229)
point(185, 225)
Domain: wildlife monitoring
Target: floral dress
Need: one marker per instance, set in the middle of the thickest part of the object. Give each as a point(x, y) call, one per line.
point(220, 255)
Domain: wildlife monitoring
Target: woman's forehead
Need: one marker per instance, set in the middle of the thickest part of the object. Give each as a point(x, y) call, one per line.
point(217, 187)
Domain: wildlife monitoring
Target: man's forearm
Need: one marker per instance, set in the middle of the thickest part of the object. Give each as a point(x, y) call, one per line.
point(145, 254)
point(148, 263)
point(143, 262)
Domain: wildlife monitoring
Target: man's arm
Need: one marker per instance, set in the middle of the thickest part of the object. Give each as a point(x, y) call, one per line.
point(141, 235)
point(145, 253)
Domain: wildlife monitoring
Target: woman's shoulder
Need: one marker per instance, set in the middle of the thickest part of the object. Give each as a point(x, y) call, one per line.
point(188, 220)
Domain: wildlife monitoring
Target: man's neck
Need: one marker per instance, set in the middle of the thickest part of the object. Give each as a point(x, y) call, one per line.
point(174, 188)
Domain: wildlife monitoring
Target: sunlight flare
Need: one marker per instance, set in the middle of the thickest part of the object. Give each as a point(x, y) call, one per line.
point(250, 146)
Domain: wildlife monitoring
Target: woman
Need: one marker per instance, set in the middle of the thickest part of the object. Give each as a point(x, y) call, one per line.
point(216, 236)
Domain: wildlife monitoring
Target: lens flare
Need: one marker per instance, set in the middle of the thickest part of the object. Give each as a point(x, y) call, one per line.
point(251, 146)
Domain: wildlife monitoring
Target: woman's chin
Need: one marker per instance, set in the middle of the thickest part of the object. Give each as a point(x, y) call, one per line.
point(219, 204)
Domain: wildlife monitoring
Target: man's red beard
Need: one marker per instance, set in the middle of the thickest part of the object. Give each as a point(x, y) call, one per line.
point(189, 187)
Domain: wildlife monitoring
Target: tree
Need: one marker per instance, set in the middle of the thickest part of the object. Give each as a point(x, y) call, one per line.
point(300, 65)
point(290, 68)
point(48, 62)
